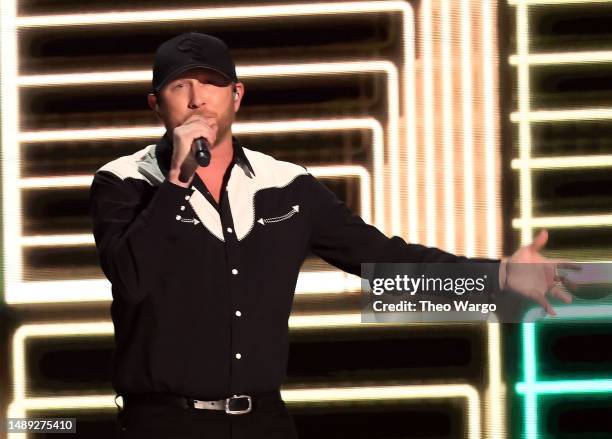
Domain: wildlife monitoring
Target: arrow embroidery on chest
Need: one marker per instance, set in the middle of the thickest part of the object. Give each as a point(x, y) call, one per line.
point(294, 209)
point(190, 220)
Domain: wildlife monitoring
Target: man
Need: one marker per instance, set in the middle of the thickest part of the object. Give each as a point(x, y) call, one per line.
point(203, 261)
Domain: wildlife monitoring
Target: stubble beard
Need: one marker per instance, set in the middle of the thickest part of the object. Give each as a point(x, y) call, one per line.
point(225, 124)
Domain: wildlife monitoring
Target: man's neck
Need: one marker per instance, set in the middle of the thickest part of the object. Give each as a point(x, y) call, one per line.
point(221, 153)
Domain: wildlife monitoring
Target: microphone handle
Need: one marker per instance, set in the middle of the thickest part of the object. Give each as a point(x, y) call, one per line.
point(202, 152)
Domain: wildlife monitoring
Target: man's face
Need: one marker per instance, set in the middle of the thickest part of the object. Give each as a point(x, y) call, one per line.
point(198, 91)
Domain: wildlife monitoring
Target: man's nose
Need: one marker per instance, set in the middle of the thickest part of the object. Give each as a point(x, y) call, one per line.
point(198, 97)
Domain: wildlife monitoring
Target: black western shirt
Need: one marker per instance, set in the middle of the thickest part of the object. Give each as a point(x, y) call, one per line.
point(202, 291)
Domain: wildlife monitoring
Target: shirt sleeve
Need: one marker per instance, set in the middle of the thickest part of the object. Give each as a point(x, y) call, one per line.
point(131, 232)
point(343, 239)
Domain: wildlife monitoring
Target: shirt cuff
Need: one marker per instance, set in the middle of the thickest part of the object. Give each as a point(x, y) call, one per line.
point(165, 204)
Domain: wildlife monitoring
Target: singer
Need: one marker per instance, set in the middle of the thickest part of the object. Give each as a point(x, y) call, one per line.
point(204, 260)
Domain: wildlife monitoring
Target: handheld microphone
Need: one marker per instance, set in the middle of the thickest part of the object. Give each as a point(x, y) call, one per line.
point(202, 153)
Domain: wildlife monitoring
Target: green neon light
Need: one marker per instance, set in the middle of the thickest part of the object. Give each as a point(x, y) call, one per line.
point(531, 388)
point(566, 386)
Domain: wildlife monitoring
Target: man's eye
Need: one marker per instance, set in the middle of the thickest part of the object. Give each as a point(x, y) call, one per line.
point(179, 85)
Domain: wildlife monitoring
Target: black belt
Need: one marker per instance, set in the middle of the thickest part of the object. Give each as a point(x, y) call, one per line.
point(234, 405)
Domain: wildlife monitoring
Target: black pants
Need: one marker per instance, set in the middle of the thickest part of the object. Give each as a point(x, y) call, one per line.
point(156, 421)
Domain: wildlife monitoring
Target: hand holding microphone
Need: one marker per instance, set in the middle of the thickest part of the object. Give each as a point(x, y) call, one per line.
point(192, 142)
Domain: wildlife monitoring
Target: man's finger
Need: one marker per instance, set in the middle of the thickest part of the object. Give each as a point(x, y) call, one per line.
point(545, 304)
point(565, 263)
point(559, 292)
point(568, 284)
point(195, 118)
point(540, 241)
point(569, 265)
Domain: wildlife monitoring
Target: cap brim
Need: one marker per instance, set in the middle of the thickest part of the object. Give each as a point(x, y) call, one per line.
point(182, 69)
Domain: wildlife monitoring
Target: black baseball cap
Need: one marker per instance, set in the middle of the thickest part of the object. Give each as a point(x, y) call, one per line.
point(188, 51)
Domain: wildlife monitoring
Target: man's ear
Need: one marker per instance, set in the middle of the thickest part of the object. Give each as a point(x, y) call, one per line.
point(153, 104)
point(238, 94)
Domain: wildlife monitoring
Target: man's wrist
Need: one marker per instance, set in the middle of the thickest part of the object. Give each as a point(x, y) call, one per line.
point(173, 177)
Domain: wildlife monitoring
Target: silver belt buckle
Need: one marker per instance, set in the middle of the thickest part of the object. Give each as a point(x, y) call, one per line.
point(238, 412)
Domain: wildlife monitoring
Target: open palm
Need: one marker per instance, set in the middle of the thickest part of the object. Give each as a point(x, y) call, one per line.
point(534, 276)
